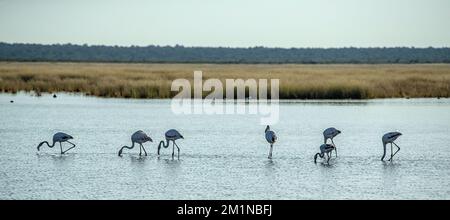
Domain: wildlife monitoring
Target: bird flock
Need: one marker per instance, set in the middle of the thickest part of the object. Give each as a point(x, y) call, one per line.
point(140, 137)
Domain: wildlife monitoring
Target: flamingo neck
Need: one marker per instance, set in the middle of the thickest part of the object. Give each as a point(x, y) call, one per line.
point(132, 146)
point(384, 151)
point(45, 142)
point(165, 145)
point(120, 151)
point(315, 156)
point(53, 144)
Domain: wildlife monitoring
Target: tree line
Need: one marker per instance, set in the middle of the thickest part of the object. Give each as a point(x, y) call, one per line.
point(250, 55)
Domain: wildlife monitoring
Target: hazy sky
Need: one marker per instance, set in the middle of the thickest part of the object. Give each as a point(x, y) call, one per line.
point(235, 23)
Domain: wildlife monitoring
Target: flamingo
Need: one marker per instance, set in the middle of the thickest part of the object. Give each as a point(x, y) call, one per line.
point(171, 135)
point(58, 137)
point(271, 137)
point(325, 149)
point(139, 137)
point(389, 138)
point(330, 133)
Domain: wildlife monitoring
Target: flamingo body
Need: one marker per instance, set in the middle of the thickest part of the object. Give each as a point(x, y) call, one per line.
point(173, 134)
point(61, 137)
point(330, 133)
point(140, 138)
point(390, 137)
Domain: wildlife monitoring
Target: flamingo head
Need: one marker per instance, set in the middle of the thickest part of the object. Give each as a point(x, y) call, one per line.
point(267, 128)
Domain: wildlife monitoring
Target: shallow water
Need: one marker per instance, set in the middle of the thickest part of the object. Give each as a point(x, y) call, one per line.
point(222, 156)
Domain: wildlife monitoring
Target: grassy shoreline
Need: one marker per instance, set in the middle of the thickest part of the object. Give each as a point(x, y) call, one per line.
point(297, 81)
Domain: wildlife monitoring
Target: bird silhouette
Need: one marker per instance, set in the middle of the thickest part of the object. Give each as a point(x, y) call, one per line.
point(330, 133)
point(171, 135)
point(271, 138)
point(58, 137)
point(325, 149)
point(389, 138)
point(137, 137)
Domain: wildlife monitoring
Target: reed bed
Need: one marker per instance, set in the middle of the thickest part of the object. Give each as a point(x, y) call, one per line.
point(296, 81)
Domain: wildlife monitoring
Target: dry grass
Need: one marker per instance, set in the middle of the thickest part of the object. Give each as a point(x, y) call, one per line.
point(296, 81)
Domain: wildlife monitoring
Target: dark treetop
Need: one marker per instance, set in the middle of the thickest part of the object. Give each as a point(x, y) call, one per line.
point(181, 54)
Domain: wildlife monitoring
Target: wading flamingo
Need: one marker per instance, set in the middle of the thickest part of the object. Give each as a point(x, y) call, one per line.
point(58, 137)
point(271, 137)
point(330, 133)
point(171, 135)
point(389, 138)
point(325, 149)
point(138, 137)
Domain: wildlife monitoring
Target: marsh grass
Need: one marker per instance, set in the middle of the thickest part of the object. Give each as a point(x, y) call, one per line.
point(296, 81)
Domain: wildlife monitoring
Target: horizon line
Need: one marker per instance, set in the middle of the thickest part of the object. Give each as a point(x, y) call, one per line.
point(227, 47)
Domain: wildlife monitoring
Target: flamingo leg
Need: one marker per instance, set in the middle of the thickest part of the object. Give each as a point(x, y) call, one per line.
point(145, 152)
point(173, 149)
point(177, 149)
point(270, 151)
point(335, 148)
point(397, 149)
point(60, 146)
point(140, 149)
point(392, 150)
point(390, 159)
point(73, 145)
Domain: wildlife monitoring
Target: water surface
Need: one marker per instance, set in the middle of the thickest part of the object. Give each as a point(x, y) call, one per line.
point(222, 156)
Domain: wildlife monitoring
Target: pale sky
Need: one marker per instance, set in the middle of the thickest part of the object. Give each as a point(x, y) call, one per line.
point(229, 23)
